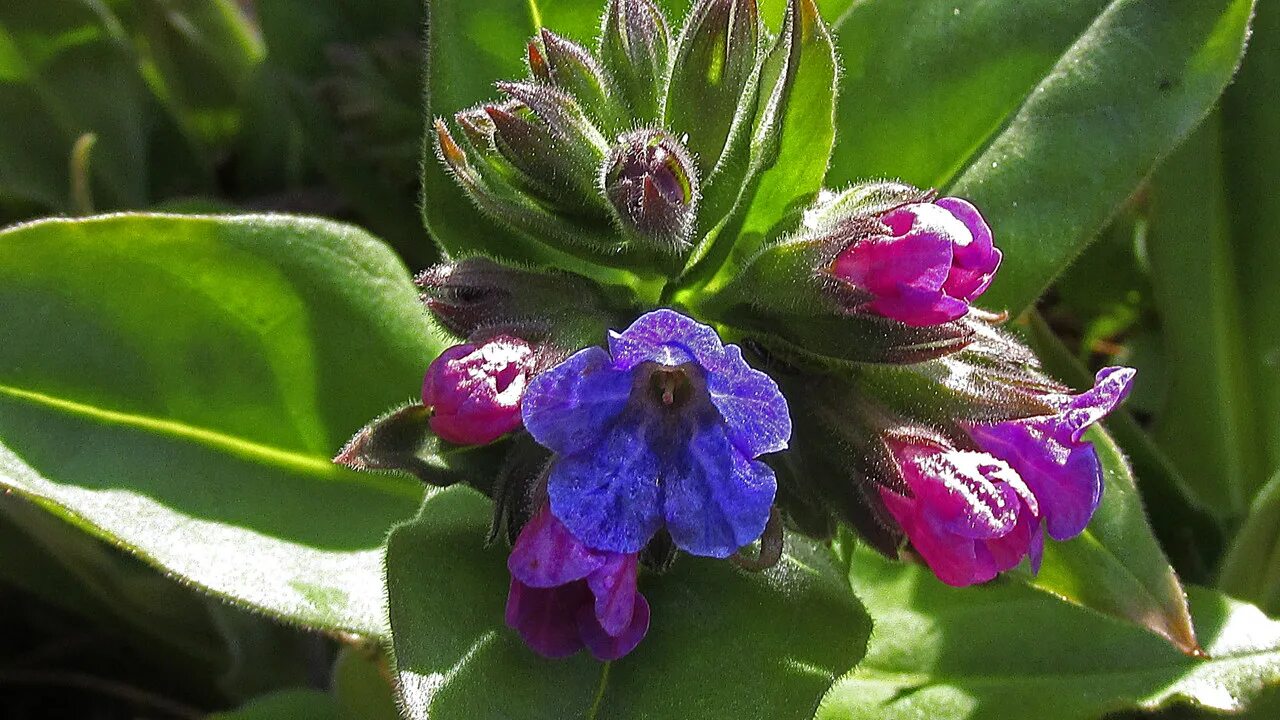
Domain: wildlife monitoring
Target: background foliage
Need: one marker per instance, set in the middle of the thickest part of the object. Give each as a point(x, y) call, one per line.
point(175, 542)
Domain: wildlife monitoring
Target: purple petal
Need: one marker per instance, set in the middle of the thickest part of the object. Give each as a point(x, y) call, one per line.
point(546, 554)
point(751, 404)
point(1110, 388)
point(1066, 481)
point(614, 587)
point(566, 407)
point(715, 499)
point(963, 493)
point(955, 561)
point(887, 265)
point(607, 495)
point(667, 338)
point(547, 618)
point(918, 308)
point(605, 646)
point(977, 259)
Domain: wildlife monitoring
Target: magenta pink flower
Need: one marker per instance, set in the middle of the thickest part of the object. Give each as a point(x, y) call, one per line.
point(475, 391)
point(969, 515)
point(565, 596)
point(936, 259)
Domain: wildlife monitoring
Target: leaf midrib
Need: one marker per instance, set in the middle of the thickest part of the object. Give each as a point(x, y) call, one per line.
point(261, 453)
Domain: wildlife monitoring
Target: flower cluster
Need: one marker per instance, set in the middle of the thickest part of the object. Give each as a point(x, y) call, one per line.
point(613, 426)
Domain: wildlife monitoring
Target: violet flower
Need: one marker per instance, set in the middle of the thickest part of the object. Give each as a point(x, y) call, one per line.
point(565, 596)
point(662, 429)
point(936, 259)
point(973, 514)
point(1050, 452)
point(475, 390)
point(969, 516)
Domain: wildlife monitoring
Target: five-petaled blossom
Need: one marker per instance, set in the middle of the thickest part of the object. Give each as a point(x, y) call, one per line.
point(565, 595)
point(935, 259)
point(474, 391)
point(664, 428)
point(974, 514)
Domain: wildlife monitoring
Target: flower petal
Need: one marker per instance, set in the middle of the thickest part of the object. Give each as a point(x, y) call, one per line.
point(1066, 481)
point(954, 560)
point(751, 404)
point(614, 587)
point(667, 338)
point(546, 554)
point(565, 407)
point(607, 494)
point(975, 261)
point(715, 499)
point(605, 646)
point(547, 618)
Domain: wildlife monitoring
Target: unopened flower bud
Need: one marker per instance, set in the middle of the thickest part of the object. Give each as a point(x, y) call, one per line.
point(548, 138)
point(968, 514)
point(652, 185)
point(926, 265)
point(474, 391)
point(716, 55)
point(479, 297)
point(572, 68)
point(634, 46)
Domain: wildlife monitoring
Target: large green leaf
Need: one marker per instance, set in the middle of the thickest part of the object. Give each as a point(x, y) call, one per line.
point(1047, 114)
point(1207, 424)
point(178, 385)
point(1252, 147)
point(1116, 565)
point(1004, 651)
point(1251, 568)
point(721, 644)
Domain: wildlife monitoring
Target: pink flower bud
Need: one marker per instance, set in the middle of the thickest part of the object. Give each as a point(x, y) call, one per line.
point(936, 259)
point(475, 390)
point(969, 515)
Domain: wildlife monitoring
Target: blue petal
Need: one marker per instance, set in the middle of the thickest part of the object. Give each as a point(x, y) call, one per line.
point(567, 408)
point(751, 404)
point(715, 499)
point(607, 495)
point(667, 338)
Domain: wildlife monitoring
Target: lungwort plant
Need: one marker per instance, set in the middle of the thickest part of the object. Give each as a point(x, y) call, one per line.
point(723, 396)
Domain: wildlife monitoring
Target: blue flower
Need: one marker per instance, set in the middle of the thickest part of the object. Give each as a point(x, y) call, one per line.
point(662, 429)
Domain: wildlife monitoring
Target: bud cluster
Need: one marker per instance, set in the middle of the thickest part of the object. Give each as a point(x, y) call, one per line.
point(616, 430)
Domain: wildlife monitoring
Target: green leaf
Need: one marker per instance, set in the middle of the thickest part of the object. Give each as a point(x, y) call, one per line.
point(285, 705)
point(1207, 424)
point(362, 685)
point(1252, 146)
point(1045, 114)
point(1005, 651)
point(775, 641)
point(63, 567)
point(198, 57)
point(1116, 566)
point(1251, 568)
point(177, 385)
